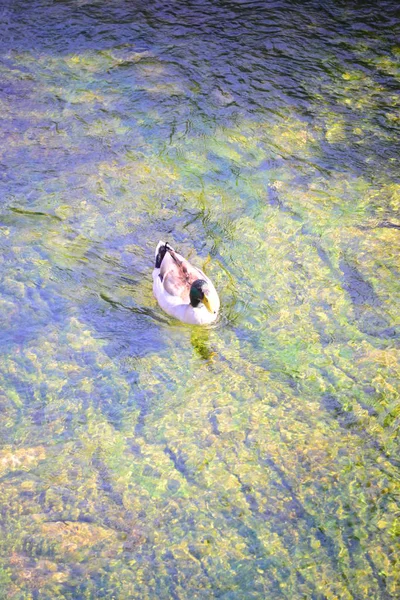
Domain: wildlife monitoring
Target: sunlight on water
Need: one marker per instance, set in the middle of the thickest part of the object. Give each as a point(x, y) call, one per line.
point(142, 458)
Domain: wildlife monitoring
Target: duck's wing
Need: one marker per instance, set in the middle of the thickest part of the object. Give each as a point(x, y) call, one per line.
point(177, 275)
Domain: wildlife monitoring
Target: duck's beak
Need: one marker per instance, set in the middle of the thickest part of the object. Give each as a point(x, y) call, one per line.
point(207, 304)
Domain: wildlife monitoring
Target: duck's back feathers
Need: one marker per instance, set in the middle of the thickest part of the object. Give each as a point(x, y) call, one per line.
point(177, 274)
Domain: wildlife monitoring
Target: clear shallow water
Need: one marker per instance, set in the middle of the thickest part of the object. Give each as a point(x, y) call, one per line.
point(145, 459)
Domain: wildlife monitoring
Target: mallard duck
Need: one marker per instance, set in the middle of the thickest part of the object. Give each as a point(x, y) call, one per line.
point(182, 290)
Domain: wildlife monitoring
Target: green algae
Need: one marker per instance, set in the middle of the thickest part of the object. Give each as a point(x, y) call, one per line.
point(144, 459)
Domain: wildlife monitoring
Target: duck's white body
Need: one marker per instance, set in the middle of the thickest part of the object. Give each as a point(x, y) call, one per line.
point(173, 277)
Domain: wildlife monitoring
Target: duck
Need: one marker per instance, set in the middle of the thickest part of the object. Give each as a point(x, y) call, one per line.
point(182, 290)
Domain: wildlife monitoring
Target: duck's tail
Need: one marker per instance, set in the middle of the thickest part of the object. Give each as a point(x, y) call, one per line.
point(161, 249)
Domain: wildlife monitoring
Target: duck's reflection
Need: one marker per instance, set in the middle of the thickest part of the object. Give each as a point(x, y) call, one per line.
point(200, 340)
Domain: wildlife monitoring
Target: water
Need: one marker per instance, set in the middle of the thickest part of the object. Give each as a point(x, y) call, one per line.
point(146, 459)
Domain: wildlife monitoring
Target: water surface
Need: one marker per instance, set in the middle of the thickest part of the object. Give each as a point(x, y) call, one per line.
point(145, 459)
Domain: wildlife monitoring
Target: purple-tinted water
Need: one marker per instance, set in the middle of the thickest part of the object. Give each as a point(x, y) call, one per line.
point(145, 459)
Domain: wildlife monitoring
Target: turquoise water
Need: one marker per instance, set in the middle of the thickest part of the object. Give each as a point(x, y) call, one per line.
point(145, 459)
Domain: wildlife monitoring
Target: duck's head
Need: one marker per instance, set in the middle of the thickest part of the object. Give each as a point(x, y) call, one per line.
point(200, 292)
